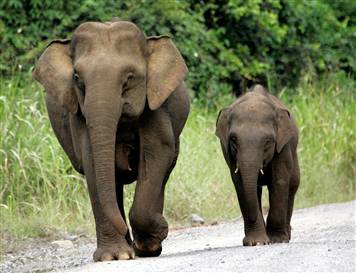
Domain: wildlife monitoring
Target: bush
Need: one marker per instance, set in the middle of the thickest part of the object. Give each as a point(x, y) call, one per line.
point(228, 44)
point(274, 41)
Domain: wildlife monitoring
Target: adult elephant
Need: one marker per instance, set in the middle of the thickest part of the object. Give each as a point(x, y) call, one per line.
point(117, 104)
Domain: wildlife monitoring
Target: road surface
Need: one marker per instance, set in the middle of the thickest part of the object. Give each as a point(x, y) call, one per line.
point(323, 240)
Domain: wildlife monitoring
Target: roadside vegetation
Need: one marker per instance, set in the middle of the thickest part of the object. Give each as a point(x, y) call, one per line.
point(40, 193)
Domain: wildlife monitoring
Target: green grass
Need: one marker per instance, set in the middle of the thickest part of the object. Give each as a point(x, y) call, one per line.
point(326, 114)
point(40, 193)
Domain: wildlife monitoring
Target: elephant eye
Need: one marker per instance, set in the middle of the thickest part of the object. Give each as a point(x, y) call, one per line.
point(130, 76)
point(129, 79)
point(75, 76)
point(269, 141)
point(78, 81)
point(234, 144)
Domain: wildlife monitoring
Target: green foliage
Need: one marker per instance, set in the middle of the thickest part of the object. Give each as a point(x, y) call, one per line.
point(227, 44)
point(40, 192)
point(273, 41)
point(325, 111)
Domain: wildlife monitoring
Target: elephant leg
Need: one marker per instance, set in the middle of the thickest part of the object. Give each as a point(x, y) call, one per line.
point(293, 187)
point(120, 203)
point(151, 229)
point(157, 157)
point(277, 227)
point(259, 197)
point(110, 244)
point(255, 232)
point(160, 202)
point(277, 217)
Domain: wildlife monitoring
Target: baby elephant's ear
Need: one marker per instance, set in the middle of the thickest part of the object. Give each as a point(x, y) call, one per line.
point(165, 71)
point(54, 70)
point(222, 125)
point(284, 128)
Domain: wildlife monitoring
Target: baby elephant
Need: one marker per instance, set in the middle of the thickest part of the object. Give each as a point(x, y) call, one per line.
point(259, 140)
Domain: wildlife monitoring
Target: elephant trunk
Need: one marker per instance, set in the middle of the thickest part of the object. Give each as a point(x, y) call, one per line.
point(102, 115)
point(248, 189)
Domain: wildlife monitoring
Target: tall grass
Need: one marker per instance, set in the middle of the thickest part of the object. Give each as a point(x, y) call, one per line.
point(41, 193)
point(326, 113)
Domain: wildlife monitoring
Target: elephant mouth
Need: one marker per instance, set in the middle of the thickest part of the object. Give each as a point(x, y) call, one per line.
point(129, 113)
point(126, 157)
point(127, 148)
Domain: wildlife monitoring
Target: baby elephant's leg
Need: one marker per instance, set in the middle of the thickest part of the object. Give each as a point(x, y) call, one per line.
point(255, 232)
point(293, 187)
point(277, 228)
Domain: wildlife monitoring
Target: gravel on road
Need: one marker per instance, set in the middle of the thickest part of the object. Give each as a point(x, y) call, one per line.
point(323, 240)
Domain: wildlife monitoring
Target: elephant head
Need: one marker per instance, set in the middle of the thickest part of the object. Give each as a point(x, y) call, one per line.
point(106, 72)
point(252, 131)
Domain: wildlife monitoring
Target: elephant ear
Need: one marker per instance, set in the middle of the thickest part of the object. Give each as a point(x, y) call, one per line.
point(54, 70)
point(284, 123)
point(221, 130)
point(166, 70)
point(284, 128)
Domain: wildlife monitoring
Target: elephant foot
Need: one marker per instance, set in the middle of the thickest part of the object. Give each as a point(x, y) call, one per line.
point(289, 230)
point(275, 238)
point(147, 248)
point(255, 240)
point(111, 252)
point(278, 235)
point(148, 239)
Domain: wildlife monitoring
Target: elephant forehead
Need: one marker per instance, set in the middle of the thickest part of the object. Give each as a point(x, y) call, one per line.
point(121, 36)
point(250, 127)
point(253, 110)
point(97, 29)
point(244, 121)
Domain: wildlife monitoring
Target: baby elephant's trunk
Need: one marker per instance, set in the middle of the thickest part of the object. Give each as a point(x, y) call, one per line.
point(247, 191)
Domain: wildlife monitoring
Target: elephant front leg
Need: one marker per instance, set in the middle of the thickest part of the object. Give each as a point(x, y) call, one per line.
point(255, 232)
point(110, 244)
point(157, 157)
point(149, 227)
point(278, 228)
point(293, 187)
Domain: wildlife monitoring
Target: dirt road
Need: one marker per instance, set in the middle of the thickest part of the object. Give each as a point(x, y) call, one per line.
point(324, 240)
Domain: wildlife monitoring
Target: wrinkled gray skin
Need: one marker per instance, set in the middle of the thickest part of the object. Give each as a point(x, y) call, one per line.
point(259, 140)
point(117, 103)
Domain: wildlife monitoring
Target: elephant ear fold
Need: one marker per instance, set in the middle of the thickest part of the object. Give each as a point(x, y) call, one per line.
point(54, 70)
point(221, 130)
point(166, 70)
point(284, 128)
